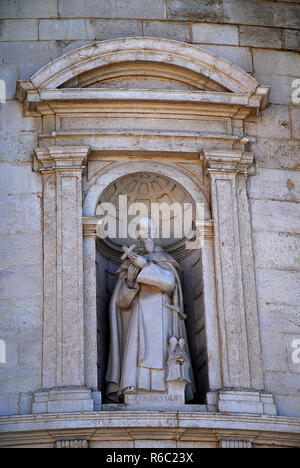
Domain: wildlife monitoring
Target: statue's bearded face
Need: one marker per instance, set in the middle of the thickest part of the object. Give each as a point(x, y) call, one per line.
point(148, 244)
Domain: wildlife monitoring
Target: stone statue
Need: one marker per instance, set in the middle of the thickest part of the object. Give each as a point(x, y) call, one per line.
point(148, 344)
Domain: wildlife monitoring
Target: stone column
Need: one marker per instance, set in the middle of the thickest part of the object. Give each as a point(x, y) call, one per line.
point(240, 347)
point(63, 380)
point(211, 310)
point(90, 308)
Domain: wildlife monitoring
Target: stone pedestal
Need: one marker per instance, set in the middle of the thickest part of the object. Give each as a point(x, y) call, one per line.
point(174, 397)
point(246, 402)
point(63, 401)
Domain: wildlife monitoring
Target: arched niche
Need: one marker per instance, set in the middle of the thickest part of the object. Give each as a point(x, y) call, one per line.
point(153, 187)
point(118, 107)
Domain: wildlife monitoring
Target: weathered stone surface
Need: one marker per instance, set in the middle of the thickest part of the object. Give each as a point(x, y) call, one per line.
point(275, 356)
point(21, 247)
point(295, 120)
point(18, 30)
point(168, 30)
point(207, 10)
point(29, 346)
point(288, 405)
point(17, 147)
point(12, 118)
point(16, 282)
point(215, 34)
point(279, 70)
point(277, 251)
point(106, 444)
point(66, 29)
point(18, 219)
point(240, 56)
point(9, 404)
point(28, 9)
point(279, 63)
point(261, 13)
point(281, 318)
point(281, 87)
point(155, 444)
point(275, 216)
point(110, 29)
point(114, 9)
point(277, 286)
point(20, 312)
point(275, 124)
point(9, 75)
point(282, 384)
point(20, 379)
point(25, 403)
point(275, 185)
point(260, 37)
point(18, 53)
point(19, 179)
point(276, 153)
point(291, 39)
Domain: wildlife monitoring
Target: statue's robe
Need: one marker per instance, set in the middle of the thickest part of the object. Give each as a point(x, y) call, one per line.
point(141, 325)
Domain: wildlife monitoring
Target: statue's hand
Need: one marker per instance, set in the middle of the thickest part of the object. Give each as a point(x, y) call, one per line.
point(132, 274)
point(137, 260)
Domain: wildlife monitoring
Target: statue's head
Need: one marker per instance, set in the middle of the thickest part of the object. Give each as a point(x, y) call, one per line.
point(147, 230)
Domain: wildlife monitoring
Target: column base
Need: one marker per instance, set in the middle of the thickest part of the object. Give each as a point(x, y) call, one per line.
point(237, 401)
point(66, 401)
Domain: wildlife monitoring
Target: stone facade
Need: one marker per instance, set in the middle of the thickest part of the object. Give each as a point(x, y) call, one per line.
point(263, 39)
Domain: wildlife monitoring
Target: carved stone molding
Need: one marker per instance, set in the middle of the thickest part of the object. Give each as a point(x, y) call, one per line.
point(62, 158)
point(72, 444)
point(235, 444)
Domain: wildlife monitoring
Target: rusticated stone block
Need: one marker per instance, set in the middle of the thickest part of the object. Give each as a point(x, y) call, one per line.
point(292, 40)
point(28, 9)
point(168, 30)
point(215, 34)
point(18, 30)
point(66, 29)
point(260, 37)
point(262, 13)
point(113, 9)
point(195, 10)
point(110, 29)
point(239, 56)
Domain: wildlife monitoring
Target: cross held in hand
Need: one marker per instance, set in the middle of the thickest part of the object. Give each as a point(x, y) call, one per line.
point(127, 251)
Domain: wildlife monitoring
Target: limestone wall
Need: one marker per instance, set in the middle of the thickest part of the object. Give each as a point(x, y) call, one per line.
point(263, 38)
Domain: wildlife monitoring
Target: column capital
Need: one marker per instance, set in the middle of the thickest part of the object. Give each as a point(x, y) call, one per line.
point(206, 229)
point(90, 227)
point(228, 161)
point(62, 158)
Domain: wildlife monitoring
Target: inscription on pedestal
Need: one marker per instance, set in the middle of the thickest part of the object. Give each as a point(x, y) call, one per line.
point(154, 399)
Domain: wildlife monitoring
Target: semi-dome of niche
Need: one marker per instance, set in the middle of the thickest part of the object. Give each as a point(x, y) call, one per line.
point(148, 189)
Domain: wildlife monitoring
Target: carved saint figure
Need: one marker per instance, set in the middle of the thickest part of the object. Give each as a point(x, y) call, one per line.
point(148, 343)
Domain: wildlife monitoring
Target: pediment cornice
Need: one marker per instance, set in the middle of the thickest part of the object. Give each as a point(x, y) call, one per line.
point(216, 86)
